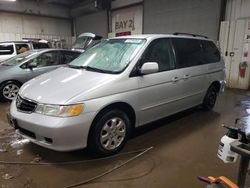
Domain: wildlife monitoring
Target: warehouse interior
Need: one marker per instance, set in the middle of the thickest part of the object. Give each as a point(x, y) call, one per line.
point(174, 151)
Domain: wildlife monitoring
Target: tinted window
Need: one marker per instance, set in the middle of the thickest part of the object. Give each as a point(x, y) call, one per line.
point(6, 49)
point(20, 48)
point(210, 52)
point(37, 45)
point(159, 51)
point(48, 59)
point(188, 52)
point(69, 56)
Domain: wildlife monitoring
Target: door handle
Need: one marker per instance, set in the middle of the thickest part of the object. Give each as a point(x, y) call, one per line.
point(175, 79)
point(185, 77)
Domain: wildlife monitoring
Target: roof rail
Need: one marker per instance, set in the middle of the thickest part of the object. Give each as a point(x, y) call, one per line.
point(190, 34)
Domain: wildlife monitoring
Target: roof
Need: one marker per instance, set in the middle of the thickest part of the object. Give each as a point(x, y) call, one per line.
point(153, 36)
point(25, 41)
point(15, 42)
point(52, 49)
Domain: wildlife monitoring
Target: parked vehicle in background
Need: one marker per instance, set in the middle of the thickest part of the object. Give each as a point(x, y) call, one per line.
point(25, 66)
point(85, 41)
point(39, 44)
point(117, 85)
point(11, 49)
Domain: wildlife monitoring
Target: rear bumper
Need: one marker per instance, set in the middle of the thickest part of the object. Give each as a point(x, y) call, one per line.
point(60, 134)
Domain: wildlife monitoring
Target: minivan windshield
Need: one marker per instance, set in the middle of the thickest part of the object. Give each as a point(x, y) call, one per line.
point(19, 58)
point(110, 56)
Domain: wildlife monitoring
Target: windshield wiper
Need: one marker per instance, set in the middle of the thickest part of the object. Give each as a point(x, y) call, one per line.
point(88, 68)
point(94, 69)
point(74, 66)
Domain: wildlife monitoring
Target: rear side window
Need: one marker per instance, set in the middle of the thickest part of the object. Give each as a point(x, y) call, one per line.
point(69, 56)
point(6, 49)
point(20, 48)
point(159, 51)
point(188, 52)
point(210, 52)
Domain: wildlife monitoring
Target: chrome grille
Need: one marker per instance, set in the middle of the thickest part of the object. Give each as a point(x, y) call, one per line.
point(25, 105)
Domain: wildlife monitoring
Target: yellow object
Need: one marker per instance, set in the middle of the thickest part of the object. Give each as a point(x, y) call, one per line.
point(223, 179)
point(75, 110)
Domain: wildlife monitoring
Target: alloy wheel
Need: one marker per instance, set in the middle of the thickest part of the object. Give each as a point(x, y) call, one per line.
point(10, 91)
point(113, 133)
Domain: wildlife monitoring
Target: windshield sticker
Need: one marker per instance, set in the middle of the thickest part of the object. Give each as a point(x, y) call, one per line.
point(134, 41)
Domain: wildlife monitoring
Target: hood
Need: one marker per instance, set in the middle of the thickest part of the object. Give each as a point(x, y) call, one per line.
point(4, 68)
point(60, 85)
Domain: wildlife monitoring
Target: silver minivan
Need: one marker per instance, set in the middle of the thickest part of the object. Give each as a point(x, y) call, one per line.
point(119, 84)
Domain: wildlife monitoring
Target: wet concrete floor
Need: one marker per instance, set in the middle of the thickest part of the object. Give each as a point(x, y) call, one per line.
point(185, 146)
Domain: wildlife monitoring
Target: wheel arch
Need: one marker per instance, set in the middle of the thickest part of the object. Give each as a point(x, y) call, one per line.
point(216, 84)
point(11, 80)
point(125, 107)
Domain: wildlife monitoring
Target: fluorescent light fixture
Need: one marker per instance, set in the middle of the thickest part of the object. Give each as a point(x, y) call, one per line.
point(8, 0)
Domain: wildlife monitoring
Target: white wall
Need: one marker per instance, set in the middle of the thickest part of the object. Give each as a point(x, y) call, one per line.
point(237, 9)
point(17, 26)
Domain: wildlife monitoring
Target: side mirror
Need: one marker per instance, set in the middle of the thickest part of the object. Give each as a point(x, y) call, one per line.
point(149, 68)
point(32, 65)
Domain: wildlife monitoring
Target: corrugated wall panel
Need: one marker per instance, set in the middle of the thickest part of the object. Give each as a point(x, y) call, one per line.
point(95, 23)
point(193, 16)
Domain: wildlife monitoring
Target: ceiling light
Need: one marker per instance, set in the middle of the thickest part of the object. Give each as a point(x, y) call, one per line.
point(8, 0)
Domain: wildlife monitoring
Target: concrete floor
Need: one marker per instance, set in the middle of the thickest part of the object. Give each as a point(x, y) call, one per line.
point(185, 146)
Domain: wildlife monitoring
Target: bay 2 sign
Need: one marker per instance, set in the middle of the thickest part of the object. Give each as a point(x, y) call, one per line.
point(127, 20)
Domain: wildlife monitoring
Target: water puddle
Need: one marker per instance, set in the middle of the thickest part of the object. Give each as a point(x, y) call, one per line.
point(18, 143)
point(23, 164)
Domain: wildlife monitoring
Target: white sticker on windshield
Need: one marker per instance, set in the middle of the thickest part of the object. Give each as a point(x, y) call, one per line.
point(134, 41)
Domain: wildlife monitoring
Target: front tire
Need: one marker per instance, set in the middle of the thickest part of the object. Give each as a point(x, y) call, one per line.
point(9, 90)
point(109, 133)
point(210, 98)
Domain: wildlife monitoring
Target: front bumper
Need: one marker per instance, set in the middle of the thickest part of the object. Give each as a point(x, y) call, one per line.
point(56, 133)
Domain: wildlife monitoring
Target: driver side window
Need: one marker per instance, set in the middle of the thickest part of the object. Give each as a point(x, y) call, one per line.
point(161, 52)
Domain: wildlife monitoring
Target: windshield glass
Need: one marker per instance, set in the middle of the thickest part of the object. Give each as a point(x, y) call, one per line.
point(81, 42)
point(110, 56)
point(19, 58)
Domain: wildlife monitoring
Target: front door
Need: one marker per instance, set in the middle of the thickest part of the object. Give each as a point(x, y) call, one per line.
point(158, 91)
point(46, 62)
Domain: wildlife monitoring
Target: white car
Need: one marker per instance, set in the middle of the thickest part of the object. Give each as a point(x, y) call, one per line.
point(13, 48)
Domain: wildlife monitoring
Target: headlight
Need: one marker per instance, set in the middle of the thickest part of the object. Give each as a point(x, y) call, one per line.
point(60, 110)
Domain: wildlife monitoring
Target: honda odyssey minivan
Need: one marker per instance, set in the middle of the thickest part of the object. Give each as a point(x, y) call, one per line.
point(117, 85)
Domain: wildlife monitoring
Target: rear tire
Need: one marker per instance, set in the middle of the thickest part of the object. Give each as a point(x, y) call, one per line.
point(210, 98)
point(109, 133)
point(9, 90)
